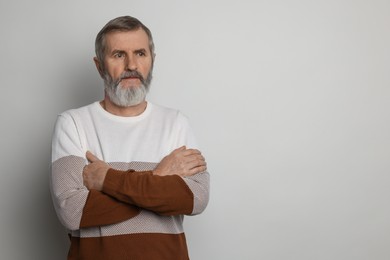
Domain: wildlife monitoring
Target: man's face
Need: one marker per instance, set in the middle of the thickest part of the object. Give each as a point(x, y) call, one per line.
point(127, 67)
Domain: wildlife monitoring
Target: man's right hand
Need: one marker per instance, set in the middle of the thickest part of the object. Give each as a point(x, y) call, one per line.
point(182, 162)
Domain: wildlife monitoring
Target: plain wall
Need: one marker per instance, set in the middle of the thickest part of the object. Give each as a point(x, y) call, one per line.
point(289, 101)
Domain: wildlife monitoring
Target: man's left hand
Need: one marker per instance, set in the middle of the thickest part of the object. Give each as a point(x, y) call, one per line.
point(95, 172)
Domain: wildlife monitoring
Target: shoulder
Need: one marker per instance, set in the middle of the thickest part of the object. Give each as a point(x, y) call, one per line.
point(79, 111)
point(71, 118)
point(77, 115)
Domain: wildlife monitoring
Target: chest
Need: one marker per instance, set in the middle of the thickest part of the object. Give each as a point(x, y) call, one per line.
point(144, 141)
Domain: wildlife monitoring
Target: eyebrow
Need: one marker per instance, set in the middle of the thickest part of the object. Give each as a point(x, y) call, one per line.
point(122, 51)
point(117, 51)
point(141, 50)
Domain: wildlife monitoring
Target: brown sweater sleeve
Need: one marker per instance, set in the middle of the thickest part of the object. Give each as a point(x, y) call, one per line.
point(101, 209)
point(164, 195)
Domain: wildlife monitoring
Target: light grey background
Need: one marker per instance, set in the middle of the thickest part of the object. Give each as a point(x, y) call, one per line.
point(289, 101)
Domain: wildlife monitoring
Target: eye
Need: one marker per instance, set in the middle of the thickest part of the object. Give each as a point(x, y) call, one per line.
point(141, 53)
point(119, 55)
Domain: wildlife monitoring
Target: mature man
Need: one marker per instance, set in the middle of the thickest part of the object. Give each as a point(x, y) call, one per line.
point(128, 202)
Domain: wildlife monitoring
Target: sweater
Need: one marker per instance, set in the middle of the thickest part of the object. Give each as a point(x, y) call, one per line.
point(137, 215)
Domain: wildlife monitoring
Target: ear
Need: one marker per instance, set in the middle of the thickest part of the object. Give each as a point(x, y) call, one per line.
point(99, 66)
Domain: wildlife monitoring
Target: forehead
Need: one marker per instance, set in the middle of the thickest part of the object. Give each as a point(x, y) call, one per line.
point(127, 40)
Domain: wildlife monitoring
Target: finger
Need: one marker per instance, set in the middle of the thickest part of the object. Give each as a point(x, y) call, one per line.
point(180, 149)
point(195, 157)
point(190, 152)
point(91, 157)
point(195, 164)
point(197, 170)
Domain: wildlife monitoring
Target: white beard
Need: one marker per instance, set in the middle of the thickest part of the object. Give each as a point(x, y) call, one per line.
point(126, 97)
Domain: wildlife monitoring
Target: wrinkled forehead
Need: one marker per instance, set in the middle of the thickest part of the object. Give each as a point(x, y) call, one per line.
point(126, 40)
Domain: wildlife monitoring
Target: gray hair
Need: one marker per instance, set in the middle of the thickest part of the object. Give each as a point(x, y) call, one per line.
point(122, 23)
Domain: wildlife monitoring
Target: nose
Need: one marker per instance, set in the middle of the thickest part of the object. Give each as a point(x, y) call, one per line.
point(131, 63)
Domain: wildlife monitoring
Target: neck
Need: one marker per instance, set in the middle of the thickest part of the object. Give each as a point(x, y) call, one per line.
point(123, 111)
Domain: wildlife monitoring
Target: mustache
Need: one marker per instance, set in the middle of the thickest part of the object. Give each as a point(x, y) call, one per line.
point(131, 74)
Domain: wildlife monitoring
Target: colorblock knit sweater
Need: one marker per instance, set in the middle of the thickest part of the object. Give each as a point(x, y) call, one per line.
point(137, 215)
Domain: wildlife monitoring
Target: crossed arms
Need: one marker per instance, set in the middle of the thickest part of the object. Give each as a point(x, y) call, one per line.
point(104, 196)
point(97, 195)
point(162, 190)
